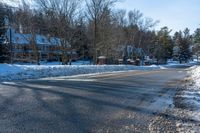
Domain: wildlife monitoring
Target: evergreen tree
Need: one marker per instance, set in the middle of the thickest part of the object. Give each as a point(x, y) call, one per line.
point(4, 45)
point(196, 39)
point(165, 46)
point(185, 41)
point(197, 36)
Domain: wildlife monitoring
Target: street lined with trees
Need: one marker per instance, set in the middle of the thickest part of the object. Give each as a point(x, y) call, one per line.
point(96, 28)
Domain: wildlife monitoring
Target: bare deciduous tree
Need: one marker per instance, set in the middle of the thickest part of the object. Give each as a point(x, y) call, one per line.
point(63, 13)
point(95, 13)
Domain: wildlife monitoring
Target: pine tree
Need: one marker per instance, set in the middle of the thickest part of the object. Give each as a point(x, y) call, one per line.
point(185, 41)
point(4, 46)
point(197, 36)
point(196, 47)
point(165, 46)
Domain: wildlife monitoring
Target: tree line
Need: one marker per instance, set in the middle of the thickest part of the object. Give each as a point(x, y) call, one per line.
point(96, 28)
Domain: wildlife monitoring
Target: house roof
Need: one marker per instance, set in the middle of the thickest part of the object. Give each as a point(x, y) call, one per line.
point(25, 39)
point(21, 38)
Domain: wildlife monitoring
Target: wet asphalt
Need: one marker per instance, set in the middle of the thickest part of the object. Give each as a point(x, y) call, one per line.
point(113, 102)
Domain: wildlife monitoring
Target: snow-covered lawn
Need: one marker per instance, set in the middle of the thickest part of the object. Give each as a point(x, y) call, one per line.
point(19, 72)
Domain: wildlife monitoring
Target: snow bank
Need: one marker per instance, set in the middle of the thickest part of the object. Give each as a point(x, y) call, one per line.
point(187, 103)
point(19, 72)
point(195, 74)
point(191, 95)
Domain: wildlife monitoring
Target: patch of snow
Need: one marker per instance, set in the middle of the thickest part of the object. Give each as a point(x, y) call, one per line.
point(13, 3)
point(9, 83)
point(84, 80)
point(6, 69)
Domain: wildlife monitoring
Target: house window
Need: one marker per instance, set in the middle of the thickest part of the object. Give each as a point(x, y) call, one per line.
point(43, 40)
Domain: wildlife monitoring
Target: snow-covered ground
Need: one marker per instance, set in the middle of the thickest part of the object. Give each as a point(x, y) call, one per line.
point(176, 63)
point(19, 72)
point(187, 103)
point(55, 69)
point(193, 92)
point(195, 74)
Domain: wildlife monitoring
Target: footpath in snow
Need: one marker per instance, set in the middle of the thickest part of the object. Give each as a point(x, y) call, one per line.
point(21, 72)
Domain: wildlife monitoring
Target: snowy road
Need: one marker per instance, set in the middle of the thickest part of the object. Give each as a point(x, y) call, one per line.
point(122, 102)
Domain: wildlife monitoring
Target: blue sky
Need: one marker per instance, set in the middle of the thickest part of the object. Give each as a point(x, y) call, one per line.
point(176, 14)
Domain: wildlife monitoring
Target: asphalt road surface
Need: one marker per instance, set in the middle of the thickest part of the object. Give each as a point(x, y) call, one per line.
point(121, 102)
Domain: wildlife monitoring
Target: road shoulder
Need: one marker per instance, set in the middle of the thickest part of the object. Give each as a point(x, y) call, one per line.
point(184, 115)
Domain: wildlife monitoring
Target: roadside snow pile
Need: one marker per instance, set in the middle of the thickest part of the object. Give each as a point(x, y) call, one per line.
point(5, 69)
point(187, 103)
point(178, 65)
point(190, 96)
point(19, 72)
point(193, 92)
point(195, 74)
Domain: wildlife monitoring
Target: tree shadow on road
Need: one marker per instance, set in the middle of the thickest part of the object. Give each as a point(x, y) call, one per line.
point(81, 109)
